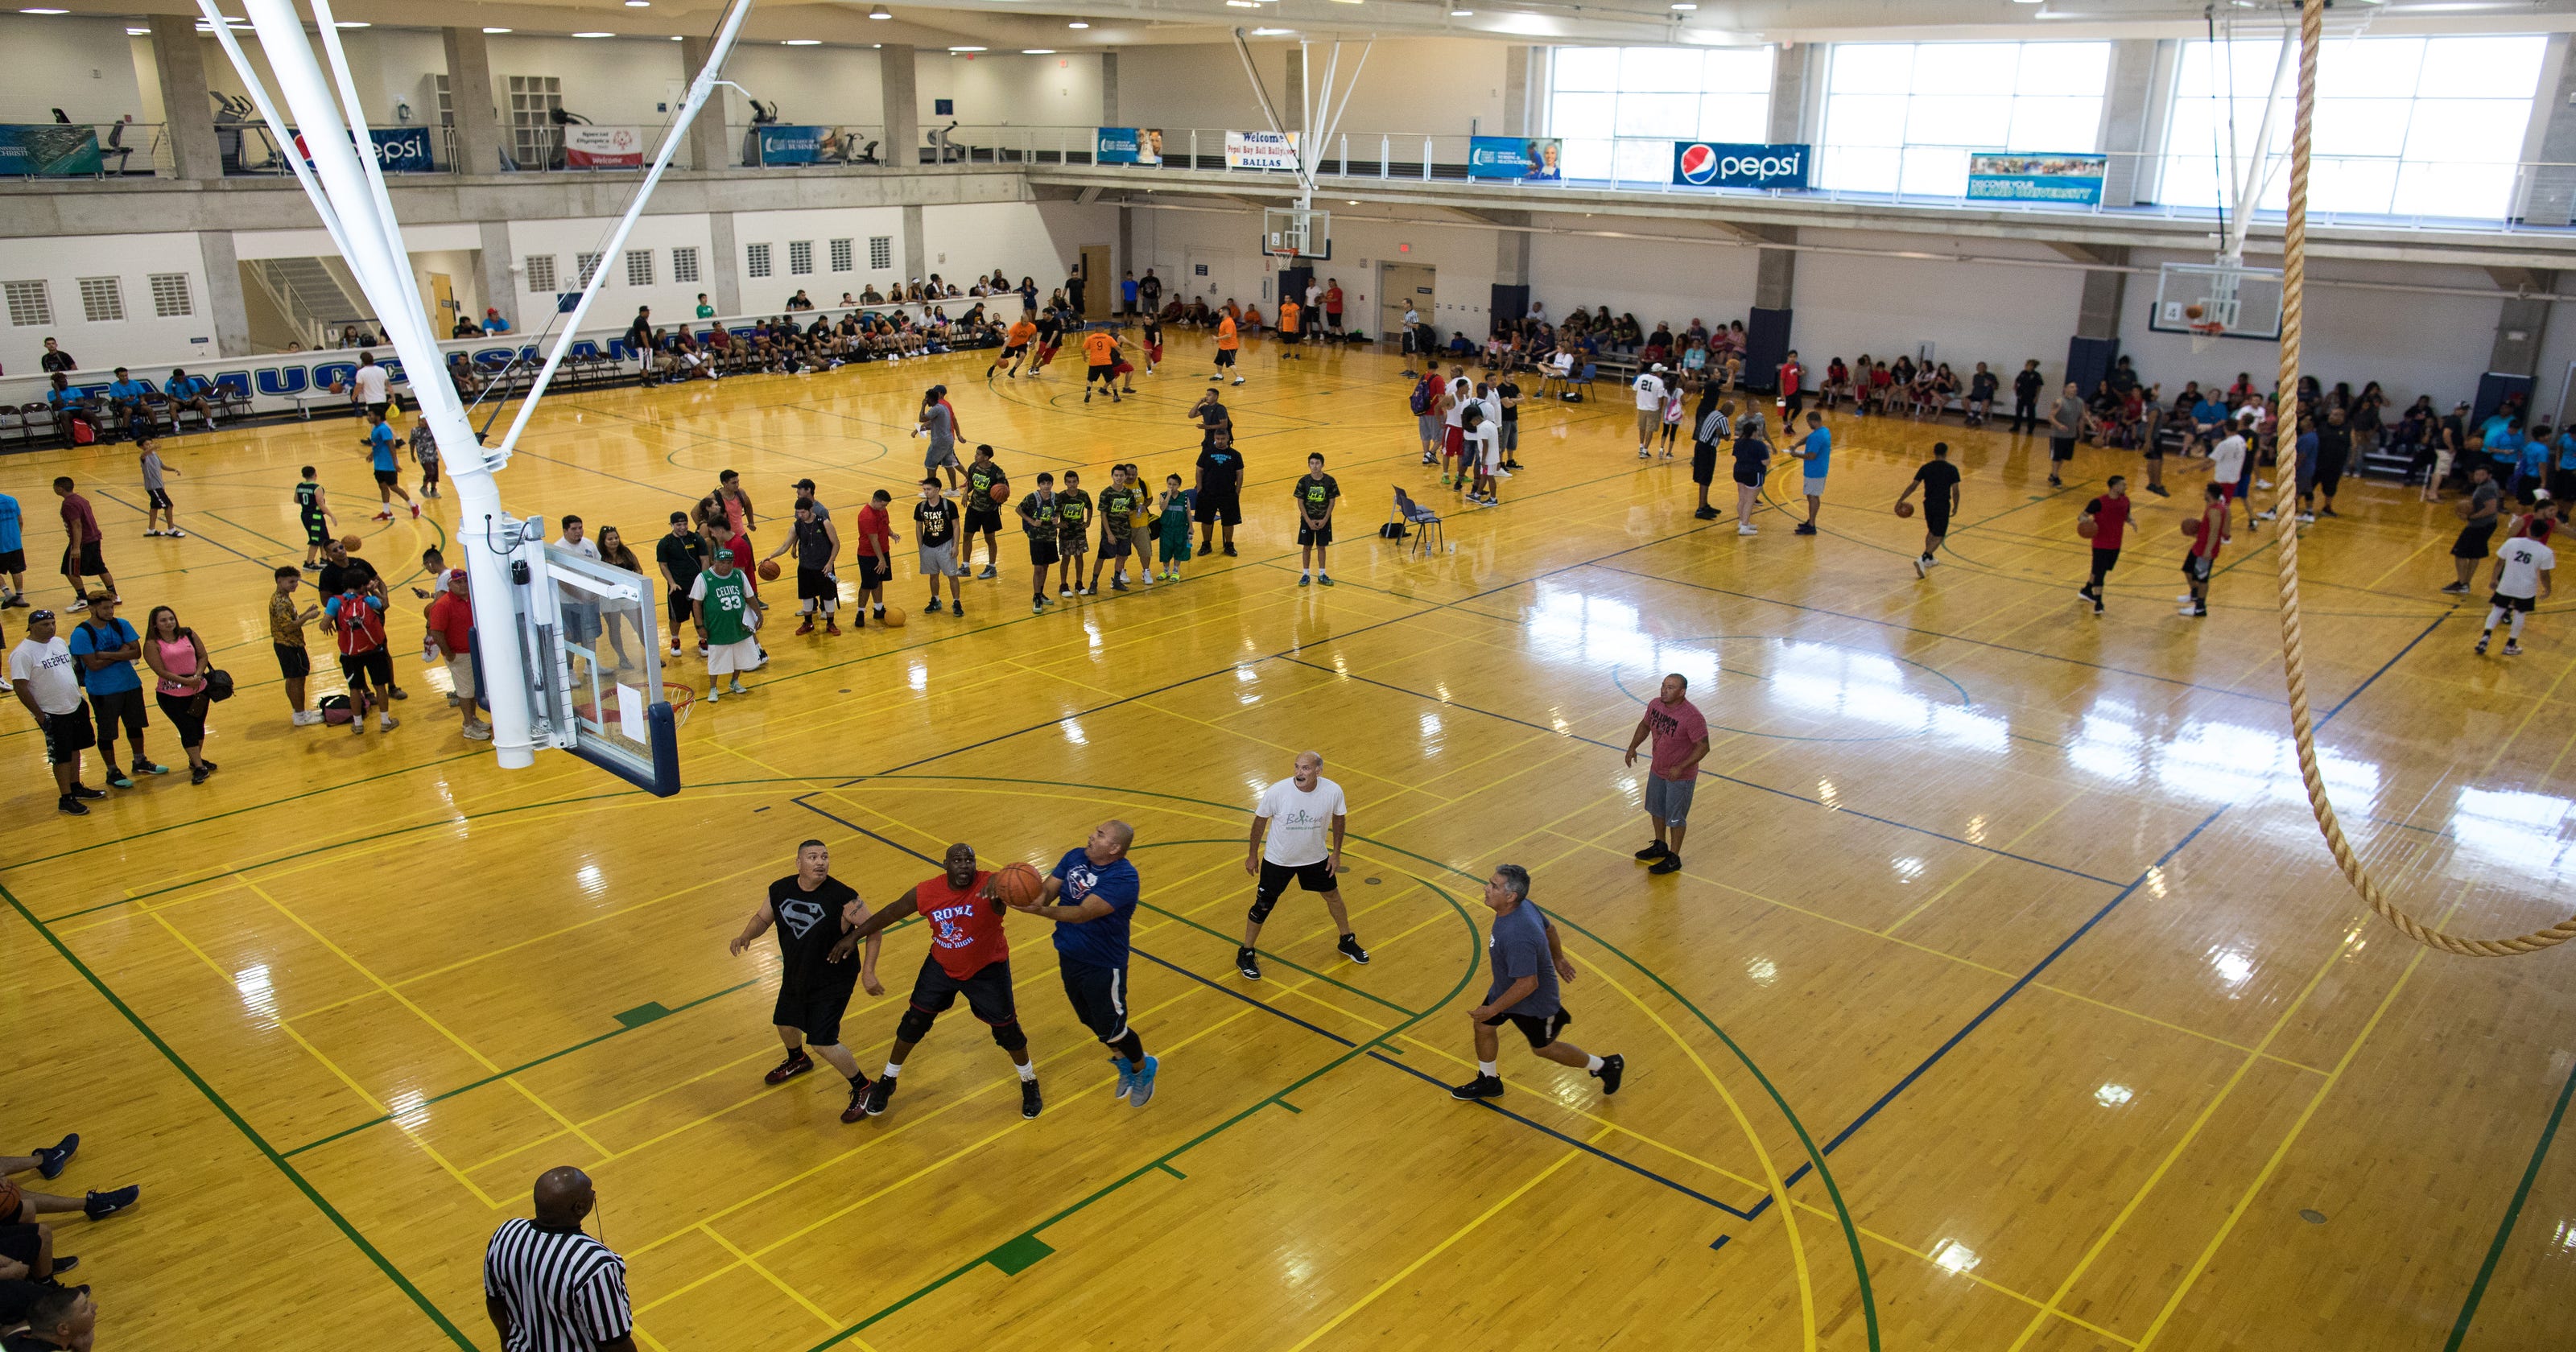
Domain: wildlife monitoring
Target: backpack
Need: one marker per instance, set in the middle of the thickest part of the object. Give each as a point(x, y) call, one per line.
point(1422, 398)
point(80, 669)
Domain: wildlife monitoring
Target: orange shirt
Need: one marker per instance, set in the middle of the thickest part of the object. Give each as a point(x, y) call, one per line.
point(1226, 341)
point(1252, 316)
point(1100, 348)
point(1288, 312)
point(1021, 332)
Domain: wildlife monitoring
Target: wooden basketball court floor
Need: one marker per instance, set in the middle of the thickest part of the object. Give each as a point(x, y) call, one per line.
point(2008, 1000)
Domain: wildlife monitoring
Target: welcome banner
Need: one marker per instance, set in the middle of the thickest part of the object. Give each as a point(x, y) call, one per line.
point(1260, 150)
point(603, 147)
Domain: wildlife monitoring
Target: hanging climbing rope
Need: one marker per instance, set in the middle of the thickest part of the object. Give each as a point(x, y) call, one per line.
point(2294, 264)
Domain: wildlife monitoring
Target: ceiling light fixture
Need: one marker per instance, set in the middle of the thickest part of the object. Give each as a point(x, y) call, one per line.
point(639, 4)
point(1272, 32)
point(878, 12)
point(1684, 6)
point(802, 42)
point(1077, 24)
point(1037, 51)
point(344, 23)
point(594, 35)
point(137, 32)
point(496, 30)
point(44, 11)
point(954, 50)
point(1462, 14)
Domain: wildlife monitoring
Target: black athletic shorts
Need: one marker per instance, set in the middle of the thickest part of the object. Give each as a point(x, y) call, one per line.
point(1936, 523)
point(872, 571)
point(1215, 507)
point(1225, 357)
point(676, 601)
point(124, 707)
point(388, 477)
point(316, 532)
point(1115, 546)
point(2473, 541)
point(21, 1242)
point(1750, 476)
point(66, 736)
point(815, 1008)
point(1042, 551)
point(1539, 1031)
point(2061, 448)
point(292, 663)
point(157, 498)
point(1703, 463)
point(2515, 603)
point(1288, 336)
point(13, 561)
point(2104, 560)
point(813, 584)
point(988, 991)
point(2196, 567)
point(376, 666)
point(987, 517)
point(1105, 374)
point(91, 565)
point(1314, 877)
point(1315, 535)
point(1099, 996)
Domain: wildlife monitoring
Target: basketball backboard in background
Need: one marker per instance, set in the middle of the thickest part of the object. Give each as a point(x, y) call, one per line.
point(591, 637)
point(2211, 301)
point(1296, 232)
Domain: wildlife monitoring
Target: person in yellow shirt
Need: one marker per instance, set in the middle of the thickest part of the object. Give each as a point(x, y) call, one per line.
point(1100, 352)
point(1228, 344)
point(1015, 345)
point(1291, 314)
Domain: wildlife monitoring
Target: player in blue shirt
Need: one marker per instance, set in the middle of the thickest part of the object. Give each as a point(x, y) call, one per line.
point(380, 444)
point(190, 392)
point(125, 397)
point(2533, 471)
point(1818, 451)
point(1092, 896)
point(13, 554)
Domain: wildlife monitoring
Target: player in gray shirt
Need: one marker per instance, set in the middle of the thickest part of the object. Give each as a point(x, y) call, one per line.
point(1528, 961)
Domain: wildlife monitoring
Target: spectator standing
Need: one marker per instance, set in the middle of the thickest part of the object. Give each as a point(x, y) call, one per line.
point(1818, 453)
point(2065, 425)
point(13, 553)
point(80, 549)
point(549, 1287)
point(104, 650)
point(451, 631)
point(368, 385)
point(2026, 386)
point(1680, 734)
point(41, 673)
point(1649, 387)
point(180, 667)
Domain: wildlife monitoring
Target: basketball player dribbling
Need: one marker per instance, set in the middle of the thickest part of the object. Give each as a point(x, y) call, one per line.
point(968, 955)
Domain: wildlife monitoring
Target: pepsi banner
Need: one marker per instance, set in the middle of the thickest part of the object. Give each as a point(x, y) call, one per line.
point(1540, 161)
point(1730, 164)
point(399, 150)
point(2069, 178)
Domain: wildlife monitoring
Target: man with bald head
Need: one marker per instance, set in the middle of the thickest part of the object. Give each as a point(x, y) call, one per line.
point(1091, 897)
point(1289, 841)
point(547, 1286)
point(969, 956)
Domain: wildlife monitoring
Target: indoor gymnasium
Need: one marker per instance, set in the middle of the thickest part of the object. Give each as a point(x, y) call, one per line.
point(923, 677)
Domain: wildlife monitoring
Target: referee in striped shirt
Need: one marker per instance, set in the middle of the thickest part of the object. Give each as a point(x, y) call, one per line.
point(550, 1288)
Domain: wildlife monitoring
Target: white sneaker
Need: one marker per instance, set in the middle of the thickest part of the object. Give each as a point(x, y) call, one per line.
point(307, 718)
point(479, 732)
point(2264, 516)
point(2262, 483)
point(1747, 530)
point(2307, 518)
point(387, 723)
point(2185, 598)
point(675, 650)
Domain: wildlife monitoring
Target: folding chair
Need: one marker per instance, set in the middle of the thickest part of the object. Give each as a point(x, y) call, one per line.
point(1424, 522)
point(1585, 380)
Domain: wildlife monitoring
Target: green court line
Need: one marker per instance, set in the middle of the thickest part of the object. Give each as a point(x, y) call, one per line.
point(1475, 959)
point(311, 1194)
point(2512, 1213)
point(624, 1027)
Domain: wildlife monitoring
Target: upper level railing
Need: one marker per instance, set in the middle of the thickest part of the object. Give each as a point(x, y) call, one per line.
point(2533, 195)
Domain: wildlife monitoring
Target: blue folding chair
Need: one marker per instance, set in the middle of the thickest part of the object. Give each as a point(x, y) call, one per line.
point(1421, 520)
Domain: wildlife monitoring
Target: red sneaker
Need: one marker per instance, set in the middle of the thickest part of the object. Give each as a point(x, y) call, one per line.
point(832, 628)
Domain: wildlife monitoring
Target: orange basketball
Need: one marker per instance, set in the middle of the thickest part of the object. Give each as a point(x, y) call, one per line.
point(1001, 492)
point(2191, 526)
point(11, 1199)
point(2192, 312)
point(769, 570)
point(893, 617)
point(2087, 526)
point(1904, 509)
point(1017, 884)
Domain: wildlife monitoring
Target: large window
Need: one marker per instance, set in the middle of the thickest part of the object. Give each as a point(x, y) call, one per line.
point(2405, 126)
point(1621, 108)
point(1902, 117)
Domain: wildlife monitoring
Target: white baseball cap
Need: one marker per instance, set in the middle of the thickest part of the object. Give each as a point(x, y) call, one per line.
point(1659, 368)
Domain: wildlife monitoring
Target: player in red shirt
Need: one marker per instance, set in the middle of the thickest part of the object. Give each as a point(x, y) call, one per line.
point(2109, 515)
point(967, 954)
point(2197, 564)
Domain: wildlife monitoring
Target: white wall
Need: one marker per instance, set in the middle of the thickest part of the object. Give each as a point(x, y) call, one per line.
point(568, 239)
point(1970, 312)
point(1024, 239)
point(778, 229)
point(1196, 86)
point(1008, 89)
point(1172, 242)
point(1429, 86)
point(140, 340)
point(812, 86)
point(81, 65)
point(1651, 281)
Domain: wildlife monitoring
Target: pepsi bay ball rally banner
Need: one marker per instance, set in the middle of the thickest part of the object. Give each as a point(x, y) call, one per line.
point(1260, 150)
point(1540, 160)
point(2072, 179)
point(1730, 164)
point(1128, 145)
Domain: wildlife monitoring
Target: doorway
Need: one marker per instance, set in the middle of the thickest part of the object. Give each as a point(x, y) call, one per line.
point(1099, 283)
point(442, 303)
point(1399, 284)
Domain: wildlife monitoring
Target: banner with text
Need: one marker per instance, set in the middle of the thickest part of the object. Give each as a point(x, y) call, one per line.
point(1128, 145)
point(791, 145)
point(399, 150)
point(2072, 179)
point(603, 147)
point(48, 150)
point(1732, 164)
point(1539, 161)
point(1260, 150)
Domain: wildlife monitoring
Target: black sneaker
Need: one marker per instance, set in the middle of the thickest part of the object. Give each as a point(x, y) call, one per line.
point(1612, 1067)
point(957, 608)
point(934, 605)
point(1670, 863)
point(861, 1095)
point(880, 1095)
point(1705, 513)
point(117, 779)
point(71, 806)
point(1804, 529)
point(50, 1162)
point(797, 1063)
point(1030, 1103)
point(65, 1263)
point(1229, 551)
point(2513, 647)
point(1483, 1087)
point(1654, 851)
point(2456, 589)
point(1350, 948)
point(2481, 650)
point(98, 1206)
point(86, 792)
point(1246, 963)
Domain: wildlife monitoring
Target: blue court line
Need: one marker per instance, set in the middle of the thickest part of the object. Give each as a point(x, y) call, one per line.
point(2373, 678)
point(1224, 989)
point(1716, 774)
point(1640, 1170)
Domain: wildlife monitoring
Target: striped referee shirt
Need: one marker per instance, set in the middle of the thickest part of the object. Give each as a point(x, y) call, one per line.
point(565, 1291)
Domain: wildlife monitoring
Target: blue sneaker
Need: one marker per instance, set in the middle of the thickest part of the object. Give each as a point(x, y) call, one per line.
point(50, 1162)
point(1126, 1077)
point(1140, 1088)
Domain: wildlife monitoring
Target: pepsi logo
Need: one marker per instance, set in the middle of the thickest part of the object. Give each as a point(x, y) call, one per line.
point(1699, 164)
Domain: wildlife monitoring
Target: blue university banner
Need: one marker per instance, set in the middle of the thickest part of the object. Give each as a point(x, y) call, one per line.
point(1128, 145)
point(2072, 179)
point(48, 150)
point(791, 145)
point(1734, 164)
point(1536, 159)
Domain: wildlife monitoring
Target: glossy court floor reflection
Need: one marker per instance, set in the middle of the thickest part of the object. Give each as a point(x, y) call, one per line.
point(2007, 1001)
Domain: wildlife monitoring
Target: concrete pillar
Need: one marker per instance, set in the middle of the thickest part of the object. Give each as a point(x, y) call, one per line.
point(1109, 89)
point(502, 289)
point(1125, 261)
point(1292, 96)
point(1520, 79)
point(2524, 323)
point(711, 141)
point(477, 144)
point(916, 250)
point(1511, 248)
point(181, 65)
point(223, 282)
point(2097, 315)
point(2552, 193)
point(2123, 131)
point(896, 80)
point(1775, 276)
point(723, 275)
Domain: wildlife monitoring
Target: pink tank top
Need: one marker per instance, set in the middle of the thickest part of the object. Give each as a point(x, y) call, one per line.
point(179, 658)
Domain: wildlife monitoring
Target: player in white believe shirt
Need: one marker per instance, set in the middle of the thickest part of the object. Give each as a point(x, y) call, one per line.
point(1650, 409)
point(2522, 581)
point(1294, 816)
